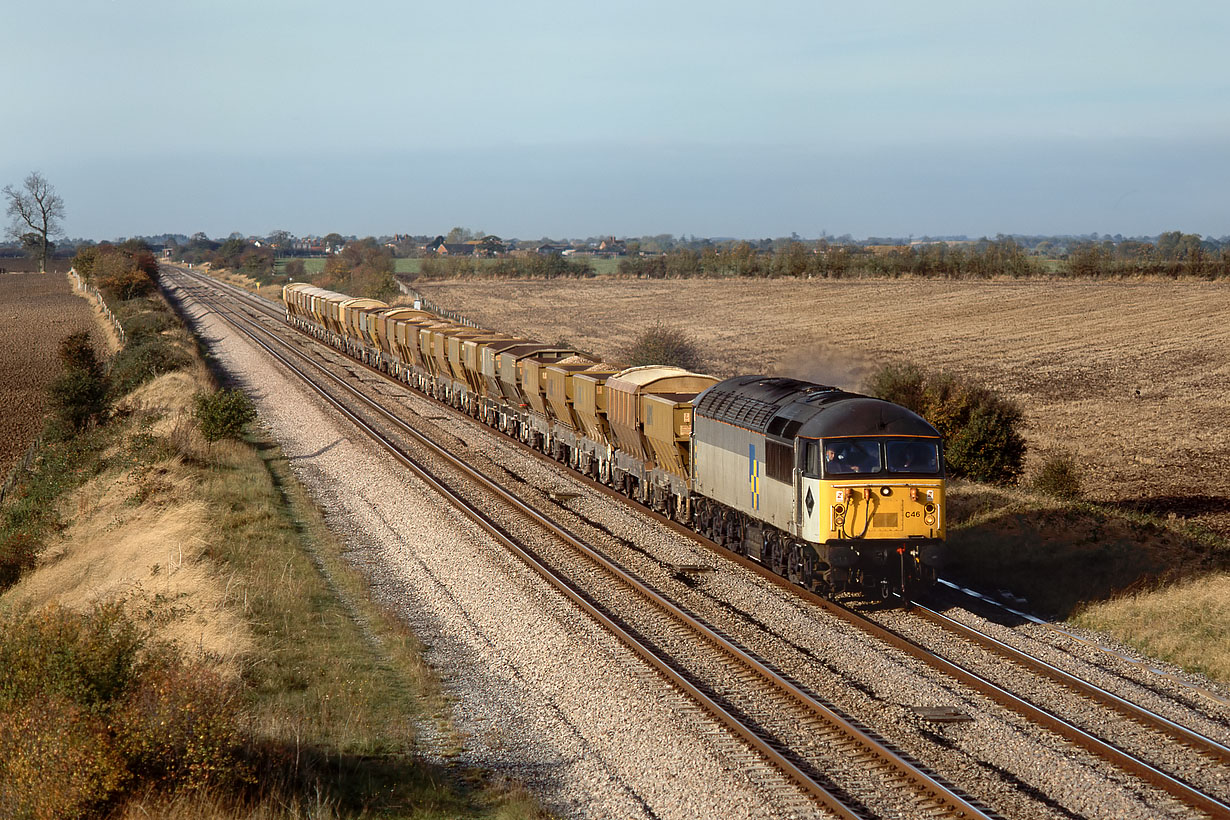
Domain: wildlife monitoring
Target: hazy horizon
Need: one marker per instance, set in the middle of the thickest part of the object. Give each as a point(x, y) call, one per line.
point(548, 119)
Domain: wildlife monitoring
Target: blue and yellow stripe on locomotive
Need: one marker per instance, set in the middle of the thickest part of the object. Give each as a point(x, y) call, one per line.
point(832, 490)
point(843, 492)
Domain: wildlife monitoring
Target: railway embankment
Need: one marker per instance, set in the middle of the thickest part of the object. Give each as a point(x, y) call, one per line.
point(182, 636)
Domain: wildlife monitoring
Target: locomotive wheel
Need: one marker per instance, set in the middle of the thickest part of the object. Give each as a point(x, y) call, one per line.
point(794, 564)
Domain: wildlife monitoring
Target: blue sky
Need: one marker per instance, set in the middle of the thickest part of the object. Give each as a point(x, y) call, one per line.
point(551, 118)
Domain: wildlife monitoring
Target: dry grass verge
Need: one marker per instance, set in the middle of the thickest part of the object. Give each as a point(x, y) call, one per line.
point(1184, 624)
point(217, 552)
point(1061, 555)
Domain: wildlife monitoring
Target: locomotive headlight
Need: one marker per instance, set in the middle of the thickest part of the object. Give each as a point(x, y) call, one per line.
point(930, 508)
point(886, 491)
point(838, 509)
point(929, 520)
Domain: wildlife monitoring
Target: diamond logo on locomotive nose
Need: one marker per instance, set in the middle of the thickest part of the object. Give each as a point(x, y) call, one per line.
point(811, 500)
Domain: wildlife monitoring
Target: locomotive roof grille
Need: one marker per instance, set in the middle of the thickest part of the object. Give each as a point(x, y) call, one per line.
point(786, 408)
point(742, 410)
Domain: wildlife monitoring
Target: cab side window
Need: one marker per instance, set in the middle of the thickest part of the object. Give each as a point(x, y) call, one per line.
point(811, 458)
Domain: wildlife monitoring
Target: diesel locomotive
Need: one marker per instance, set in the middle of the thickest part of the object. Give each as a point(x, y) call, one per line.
point(833, 490)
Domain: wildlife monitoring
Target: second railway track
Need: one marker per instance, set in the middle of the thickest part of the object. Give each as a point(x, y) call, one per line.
point(843, 766)
point(755, 713)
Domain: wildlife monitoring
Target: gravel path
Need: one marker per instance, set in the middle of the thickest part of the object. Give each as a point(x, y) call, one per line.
point(540, 694)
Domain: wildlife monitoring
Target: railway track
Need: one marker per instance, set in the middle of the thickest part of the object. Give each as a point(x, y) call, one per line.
point(1214, 754)
point(793, 730)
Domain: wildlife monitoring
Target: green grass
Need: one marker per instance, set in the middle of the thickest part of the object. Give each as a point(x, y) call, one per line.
point(313, 265)
point(339, 684)
point(316, 265)
point(604, 266)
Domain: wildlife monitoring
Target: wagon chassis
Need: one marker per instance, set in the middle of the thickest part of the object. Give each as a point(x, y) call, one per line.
point(1181, 791)
point(805, 712)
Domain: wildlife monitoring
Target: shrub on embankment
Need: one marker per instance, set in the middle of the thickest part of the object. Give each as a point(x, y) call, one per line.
point(981, 429)
point(292, 694)
point(90, 707)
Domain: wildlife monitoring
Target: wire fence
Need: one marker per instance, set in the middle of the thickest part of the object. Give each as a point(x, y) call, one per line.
point(94, 293)
point(432, 307)
point(19, 468)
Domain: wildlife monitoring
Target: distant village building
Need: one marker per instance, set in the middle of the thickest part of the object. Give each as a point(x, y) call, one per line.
point(612, 247)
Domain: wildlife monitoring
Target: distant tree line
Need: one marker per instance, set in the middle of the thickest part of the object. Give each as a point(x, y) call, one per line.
point(234, 253)
point(1174, 254)
point(532, 265)
point(1171, 254)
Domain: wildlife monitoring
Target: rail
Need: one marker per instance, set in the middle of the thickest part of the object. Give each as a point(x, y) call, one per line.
point(940, 798)
point(1122, 760)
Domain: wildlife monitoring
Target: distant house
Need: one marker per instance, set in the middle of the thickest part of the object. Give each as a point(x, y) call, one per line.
point(455, 249)
point(490, 245)
point(612, 247)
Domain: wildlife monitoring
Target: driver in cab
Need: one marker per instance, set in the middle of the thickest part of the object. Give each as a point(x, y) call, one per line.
point(842, 458)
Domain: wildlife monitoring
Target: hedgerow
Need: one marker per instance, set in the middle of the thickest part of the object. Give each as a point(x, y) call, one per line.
point(79, 394)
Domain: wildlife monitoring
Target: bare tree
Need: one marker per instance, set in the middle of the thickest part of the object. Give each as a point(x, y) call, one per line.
point(38, 208)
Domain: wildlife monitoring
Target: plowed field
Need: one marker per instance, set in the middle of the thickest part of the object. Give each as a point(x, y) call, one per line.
point(36, 311)
point(1132, 378)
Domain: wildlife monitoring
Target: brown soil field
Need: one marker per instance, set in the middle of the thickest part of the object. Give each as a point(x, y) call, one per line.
point(36, 311)
point(1131, 378)
point(24, 264)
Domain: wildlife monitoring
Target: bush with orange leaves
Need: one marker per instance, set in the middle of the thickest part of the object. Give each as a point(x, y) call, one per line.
point(90, 710)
